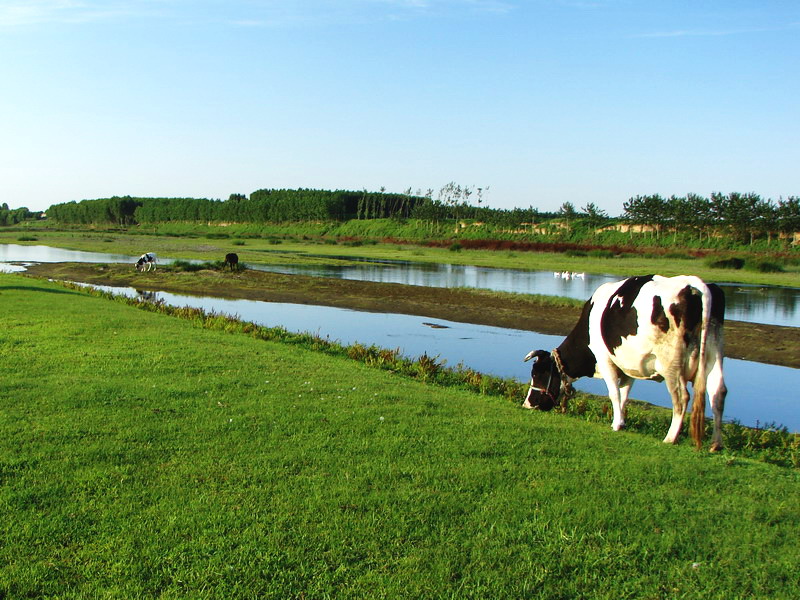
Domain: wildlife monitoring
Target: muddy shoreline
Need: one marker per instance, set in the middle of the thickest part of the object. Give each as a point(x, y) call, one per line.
point(749, 341)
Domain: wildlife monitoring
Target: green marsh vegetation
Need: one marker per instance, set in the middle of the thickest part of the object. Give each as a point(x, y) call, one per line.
point(143, 455)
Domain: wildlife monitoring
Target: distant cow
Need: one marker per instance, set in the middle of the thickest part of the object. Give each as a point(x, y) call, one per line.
point(231, 260)
point(149, 259)
point(651, 327)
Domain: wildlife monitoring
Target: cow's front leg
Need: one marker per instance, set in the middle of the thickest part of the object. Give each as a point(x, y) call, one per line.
point(611, 377)
point(625, 384)
point(618, 420)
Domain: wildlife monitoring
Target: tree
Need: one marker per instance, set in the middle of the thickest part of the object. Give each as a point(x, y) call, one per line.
point(481, 192)
point(765, 220)
point(677, 215)
point(567, 211)
point(739, 213)
point(595, 216)
point(788, 215)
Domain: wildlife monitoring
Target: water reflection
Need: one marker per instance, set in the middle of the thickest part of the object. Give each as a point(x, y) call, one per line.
point(493, 350)
point(48, 254)
point(13, 268)
point(755, 304)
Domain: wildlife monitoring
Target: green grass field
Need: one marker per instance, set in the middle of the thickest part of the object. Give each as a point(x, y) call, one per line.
point(142, 456)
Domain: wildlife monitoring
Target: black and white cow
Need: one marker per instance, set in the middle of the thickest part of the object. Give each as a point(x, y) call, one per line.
point(650, 327)
point(231, 260)
point(149, 259)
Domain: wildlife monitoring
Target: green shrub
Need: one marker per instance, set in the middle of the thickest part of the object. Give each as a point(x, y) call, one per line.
point(763, 266)
point(600, 253)
point(456, 247)
point(190, 267)
point(732, 262)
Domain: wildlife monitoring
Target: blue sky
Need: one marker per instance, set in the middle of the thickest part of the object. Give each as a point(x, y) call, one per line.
point(543, 101)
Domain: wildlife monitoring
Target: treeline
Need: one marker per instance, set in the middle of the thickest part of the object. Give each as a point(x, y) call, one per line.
point(278, 206)
point(263, 206)
point(12, 216)
point(742, 216)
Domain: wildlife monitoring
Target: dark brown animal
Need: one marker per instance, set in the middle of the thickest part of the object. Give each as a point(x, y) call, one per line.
point(232, 260)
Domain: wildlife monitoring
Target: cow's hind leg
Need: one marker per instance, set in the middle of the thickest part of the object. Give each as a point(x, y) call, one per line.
point(716, 393)
point(680, 400)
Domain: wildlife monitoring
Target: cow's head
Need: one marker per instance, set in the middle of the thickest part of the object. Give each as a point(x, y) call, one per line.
point(545, 381)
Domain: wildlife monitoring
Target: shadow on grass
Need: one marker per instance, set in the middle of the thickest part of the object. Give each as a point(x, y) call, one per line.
point(29, 288)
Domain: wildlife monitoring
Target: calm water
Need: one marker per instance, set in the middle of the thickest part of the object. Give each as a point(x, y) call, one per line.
point(755, 304)
point(757, 392)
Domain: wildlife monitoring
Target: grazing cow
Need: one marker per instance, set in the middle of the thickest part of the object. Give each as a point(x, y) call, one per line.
point(231, 259)
point(149, 259)
point(651, 327)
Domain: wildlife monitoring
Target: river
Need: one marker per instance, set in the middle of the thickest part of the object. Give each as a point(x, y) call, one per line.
point(494, 350)
point(755, 304)
point(758, 393)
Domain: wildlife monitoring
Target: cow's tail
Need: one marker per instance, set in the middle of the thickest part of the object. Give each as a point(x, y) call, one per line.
point(698, 426)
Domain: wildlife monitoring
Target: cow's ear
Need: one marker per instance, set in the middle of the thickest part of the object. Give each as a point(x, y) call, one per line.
point(535, 354)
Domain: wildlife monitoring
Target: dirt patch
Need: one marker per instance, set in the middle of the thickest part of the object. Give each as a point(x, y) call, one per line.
point(749, 341)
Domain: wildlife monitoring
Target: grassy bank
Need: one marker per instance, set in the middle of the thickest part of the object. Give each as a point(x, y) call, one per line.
point(307, 243)
point(543, 314)
point(144, 456)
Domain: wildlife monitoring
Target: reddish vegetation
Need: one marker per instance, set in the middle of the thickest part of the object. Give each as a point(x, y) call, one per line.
point(471, 244)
